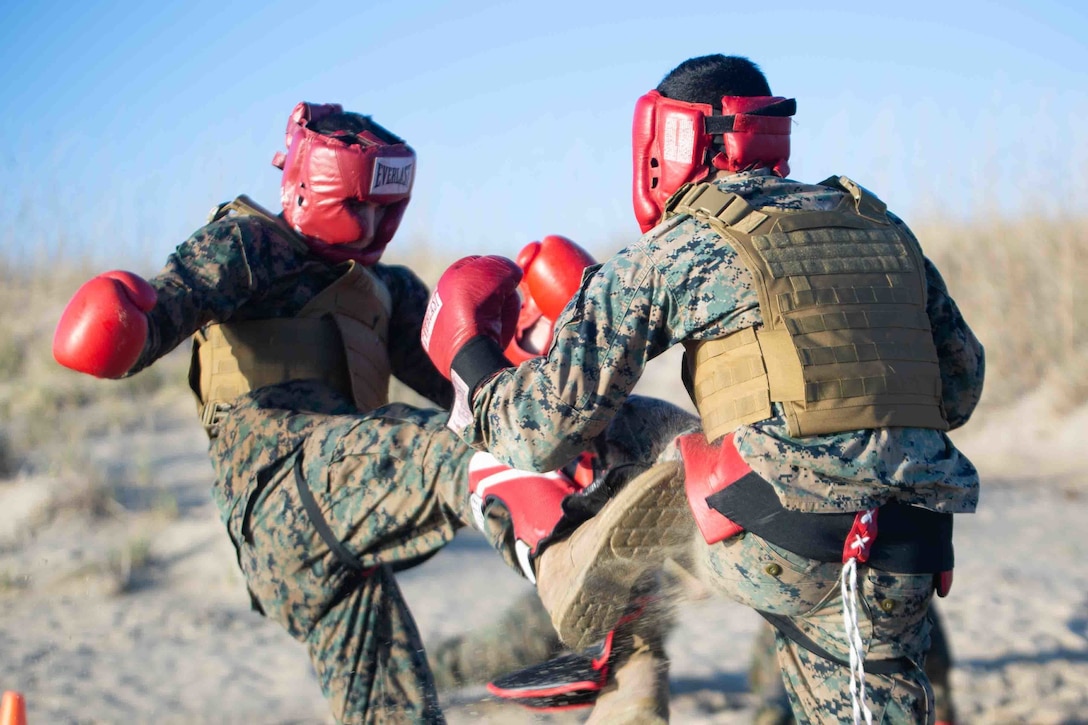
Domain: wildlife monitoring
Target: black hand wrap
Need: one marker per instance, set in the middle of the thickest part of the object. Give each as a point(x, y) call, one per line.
point(478, 359)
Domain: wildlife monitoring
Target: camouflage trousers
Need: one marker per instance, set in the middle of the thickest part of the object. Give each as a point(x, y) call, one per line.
point(773, 702)
point(392, 489)
point(892, 614)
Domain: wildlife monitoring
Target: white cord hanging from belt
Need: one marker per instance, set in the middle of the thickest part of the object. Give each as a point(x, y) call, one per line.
point(856, 550)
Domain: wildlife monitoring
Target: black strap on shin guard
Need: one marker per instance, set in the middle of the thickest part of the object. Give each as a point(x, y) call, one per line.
point(911, 540)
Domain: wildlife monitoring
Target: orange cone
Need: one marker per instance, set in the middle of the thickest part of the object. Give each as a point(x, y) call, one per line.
point(12, 709)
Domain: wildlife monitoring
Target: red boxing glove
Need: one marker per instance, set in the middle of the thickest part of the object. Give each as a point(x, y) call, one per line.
point(557, 264)
point(553, 272)
point(531, 504)
point(475, 298)
point(103, 329)
point(532, 332)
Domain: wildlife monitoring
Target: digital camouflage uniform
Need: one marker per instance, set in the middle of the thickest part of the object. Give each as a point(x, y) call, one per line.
point(390, 483)
point(682, 282)
point(772, 702)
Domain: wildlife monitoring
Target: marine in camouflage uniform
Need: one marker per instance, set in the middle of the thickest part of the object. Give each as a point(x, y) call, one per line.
point(684, 282)
point(325, 490)
point(388, 483)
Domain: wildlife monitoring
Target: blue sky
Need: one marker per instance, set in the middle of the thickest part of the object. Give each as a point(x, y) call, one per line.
point(126, 122)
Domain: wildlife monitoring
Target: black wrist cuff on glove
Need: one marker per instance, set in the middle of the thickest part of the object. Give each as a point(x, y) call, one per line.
point(479, 358)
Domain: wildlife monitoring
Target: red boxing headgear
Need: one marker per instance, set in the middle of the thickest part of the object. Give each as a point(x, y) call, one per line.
point(323, 175)
point(671, 140)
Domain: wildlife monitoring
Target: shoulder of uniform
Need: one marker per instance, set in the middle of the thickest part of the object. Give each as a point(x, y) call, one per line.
point(219, 211)
point(251, 235)
point(240, 206)
point(243, 223)
point(246, 215)
point(865, 200)
point(397, 277)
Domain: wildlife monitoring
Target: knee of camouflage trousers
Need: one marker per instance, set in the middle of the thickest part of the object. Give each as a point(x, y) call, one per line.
point(893, 623)
point(772, 702)
point(369, 658)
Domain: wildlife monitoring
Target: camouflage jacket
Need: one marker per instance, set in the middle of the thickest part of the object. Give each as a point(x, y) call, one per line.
point(681, 282)
point(242, 268)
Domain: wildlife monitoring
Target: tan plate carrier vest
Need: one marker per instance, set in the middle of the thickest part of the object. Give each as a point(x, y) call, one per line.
point(340, 337)
point(845, 342)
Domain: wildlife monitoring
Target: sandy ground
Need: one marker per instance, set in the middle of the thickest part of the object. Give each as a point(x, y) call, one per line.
point(138, 613)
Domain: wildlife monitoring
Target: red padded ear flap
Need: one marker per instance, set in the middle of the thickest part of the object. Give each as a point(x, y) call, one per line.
point(669, 145)
point(645, 165)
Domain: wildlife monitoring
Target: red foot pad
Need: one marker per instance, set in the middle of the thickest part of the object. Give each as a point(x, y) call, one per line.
point(563, 683)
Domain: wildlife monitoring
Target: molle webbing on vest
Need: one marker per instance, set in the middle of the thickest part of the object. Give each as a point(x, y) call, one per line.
point(730, 382)
point(234, 358)
point(360, 305)
point(846, 341)
point(340, 337)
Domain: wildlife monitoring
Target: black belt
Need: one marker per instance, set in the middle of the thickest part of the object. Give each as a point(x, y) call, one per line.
point(909, 540)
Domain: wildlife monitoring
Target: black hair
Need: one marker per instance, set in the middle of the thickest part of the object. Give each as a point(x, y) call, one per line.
point(709, 77)
point(346, 126)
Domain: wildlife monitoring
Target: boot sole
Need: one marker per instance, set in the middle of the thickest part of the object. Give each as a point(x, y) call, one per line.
point(644, 525)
